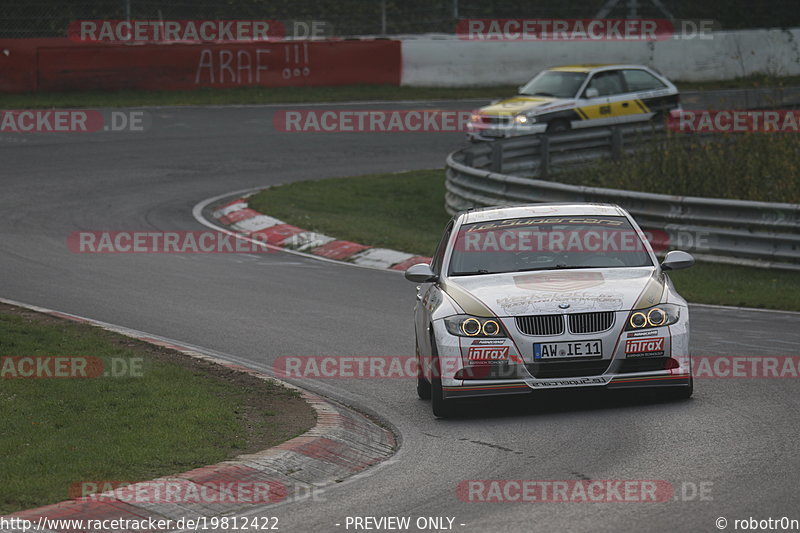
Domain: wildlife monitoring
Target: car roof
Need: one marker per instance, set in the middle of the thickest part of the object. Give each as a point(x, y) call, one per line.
point(596, 67)
point(535, 210)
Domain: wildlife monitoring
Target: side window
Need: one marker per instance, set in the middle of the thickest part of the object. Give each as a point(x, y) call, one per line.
point(639, 80)
point(438, 256)
point(607, 83)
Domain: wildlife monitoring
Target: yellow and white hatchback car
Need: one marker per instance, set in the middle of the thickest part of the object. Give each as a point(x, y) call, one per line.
point(580, 96)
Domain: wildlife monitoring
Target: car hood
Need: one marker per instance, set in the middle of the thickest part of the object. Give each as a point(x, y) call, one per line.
point(521, 104)
point(584, 290)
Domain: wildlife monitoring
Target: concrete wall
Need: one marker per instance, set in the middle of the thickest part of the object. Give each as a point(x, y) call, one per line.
point(450, 62)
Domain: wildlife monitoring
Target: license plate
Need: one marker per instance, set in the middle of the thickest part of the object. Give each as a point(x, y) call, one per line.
point(567, 350)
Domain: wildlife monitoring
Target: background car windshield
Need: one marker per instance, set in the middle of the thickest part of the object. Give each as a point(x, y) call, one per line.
point(547, 243)
point(555, 83)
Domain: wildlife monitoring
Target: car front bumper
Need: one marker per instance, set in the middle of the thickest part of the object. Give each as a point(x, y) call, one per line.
point(487, 132)
point(520, 373)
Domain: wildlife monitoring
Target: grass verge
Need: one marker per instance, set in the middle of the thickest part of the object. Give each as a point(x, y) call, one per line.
point(295, 95)
point(175, 414)
point(405, 211)
point(740, 166)
point(401, 211)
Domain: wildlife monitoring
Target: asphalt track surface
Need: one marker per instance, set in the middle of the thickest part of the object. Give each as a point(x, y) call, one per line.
point(738, 435)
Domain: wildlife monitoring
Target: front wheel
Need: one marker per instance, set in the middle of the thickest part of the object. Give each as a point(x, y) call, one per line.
point(558, 126)
point(442, 407)
point(423, 385)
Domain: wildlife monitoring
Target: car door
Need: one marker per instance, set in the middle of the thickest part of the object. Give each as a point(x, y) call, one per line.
point(650, 94)
point(599, 104)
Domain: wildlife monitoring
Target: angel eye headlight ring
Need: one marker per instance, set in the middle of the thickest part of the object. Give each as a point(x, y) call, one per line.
point(664, 314)
point(471, 327)
point(638, 320)
point(490, 328)
point(656, 317)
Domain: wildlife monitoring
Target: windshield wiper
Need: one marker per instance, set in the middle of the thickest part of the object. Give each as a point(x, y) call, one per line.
point(559, 266)
point(473, 272)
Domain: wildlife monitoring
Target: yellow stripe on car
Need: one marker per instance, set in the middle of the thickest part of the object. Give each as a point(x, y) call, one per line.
point(470, 304)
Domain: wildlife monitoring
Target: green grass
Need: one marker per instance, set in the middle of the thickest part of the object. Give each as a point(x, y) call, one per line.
point(401, 211)
point(743, 166)
point(295, 95)
point(739, 286)
point(405, 211)
point(172, 418)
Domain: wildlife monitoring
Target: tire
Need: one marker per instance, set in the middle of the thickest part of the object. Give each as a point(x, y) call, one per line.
point(441, 406)
point(558, 126)
point(679, 393)
point(423, 385)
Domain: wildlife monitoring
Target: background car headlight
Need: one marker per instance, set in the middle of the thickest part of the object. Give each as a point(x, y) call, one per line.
point(474, 326)
point(653, 317)
point(522, 120)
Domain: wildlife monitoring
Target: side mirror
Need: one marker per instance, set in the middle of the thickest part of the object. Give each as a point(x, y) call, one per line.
point(677, 260)
point(591, 92)
point(421, 273)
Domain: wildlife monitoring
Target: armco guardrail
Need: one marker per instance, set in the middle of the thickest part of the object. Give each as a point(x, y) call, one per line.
point(511, 171)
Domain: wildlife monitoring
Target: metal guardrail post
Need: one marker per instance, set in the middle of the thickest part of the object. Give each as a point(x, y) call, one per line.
point(469, 157)
point(616, 143)
point(497, 157)
point(544, 157)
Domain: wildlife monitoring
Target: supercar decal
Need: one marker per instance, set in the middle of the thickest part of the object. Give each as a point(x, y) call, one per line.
point(559, 281)
point(549, 302)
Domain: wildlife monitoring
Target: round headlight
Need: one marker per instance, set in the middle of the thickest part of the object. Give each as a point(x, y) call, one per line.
point(491, 328)
point(521, 119)
point(656, 316)
point(638, 320)
point(471, 327)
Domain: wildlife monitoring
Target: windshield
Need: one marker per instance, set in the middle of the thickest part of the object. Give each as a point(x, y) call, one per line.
point(556, 83)
point(547, 243)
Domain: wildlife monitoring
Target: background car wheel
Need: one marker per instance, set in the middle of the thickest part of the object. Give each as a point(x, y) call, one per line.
point(558, 126)
point(442, 407)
